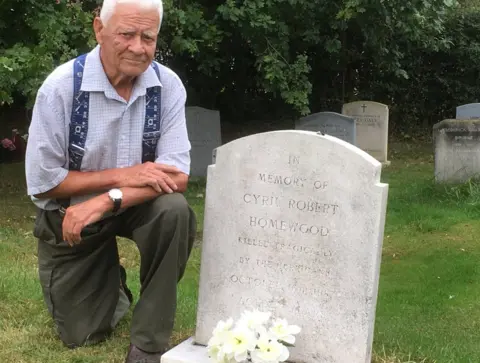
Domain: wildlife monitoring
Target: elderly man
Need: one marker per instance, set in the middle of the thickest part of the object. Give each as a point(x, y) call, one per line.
point(108, 155)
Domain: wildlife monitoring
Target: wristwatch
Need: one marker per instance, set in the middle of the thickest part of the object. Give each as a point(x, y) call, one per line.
point(115, 196)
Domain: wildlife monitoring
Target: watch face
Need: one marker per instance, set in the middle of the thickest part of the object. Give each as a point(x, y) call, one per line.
point(115, 193)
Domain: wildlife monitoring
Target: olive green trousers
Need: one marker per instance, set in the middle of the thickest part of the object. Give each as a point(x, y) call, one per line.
point(81, 284)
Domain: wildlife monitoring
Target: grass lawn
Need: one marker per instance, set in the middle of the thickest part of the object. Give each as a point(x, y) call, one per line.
point(429, 298)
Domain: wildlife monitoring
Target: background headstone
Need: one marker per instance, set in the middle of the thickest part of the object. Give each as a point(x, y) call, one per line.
point(468, 111)
point(372, 127)
point(294, 225)
point(204, 132)
point(457, 150)
point(330, 123)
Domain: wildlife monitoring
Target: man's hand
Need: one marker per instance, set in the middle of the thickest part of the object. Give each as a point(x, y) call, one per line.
point(80, 215)
point(148, 174)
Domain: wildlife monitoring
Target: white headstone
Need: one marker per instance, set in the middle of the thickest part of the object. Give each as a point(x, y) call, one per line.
point(457, 150)
point(204, 133)
point(293, 225)
point(372, 127)
point(330, 123)
point(468, 111)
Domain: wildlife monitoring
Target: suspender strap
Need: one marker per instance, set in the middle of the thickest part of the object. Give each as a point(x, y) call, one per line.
point(78, 122)
point(151, 129)
point(79, 119)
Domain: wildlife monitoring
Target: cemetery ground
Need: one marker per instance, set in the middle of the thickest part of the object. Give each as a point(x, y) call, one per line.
point(428, 304)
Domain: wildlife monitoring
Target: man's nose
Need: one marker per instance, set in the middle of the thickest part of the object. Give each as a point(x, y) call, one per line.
point(136, 46)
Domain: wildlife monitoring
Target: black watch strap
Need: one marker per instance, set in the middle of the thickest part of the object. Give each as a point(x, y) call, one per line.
point(116, 205)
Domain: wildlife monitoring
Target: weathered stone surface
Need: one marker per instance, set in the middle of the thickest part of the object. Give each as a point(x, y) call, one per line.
point(330, 123)
point(372, 127)
point(204, 133)
point(457, 150)
point(294, 225)
point(186, 352)
point(468, 111)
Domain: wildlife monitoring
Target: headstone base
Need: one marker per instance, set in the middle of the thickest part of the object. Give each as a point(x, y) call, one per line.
point(187, 352)
point(386, 163)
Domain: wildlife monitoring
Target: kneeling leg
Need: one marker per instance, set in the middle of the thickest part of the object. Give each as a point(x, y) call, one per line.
point(80, 284)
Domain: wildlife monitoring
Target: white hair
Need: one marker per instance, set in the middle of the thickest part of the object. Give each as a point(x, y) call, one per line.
point(108, 8)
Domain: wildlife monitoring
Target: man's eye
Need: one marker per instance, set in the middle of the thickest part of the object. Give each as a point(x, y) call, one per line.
point(127, 35)
point(147, 37)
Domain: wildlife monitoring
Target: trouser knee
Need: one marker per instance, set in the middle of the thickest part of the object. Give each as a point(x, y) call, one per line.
point(174, 204)
point(174, 212)
point(175, 226)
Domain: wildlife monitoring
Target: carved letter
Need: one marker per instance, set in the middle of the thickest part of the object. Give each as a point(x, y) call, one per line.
point(320, 185)
point(294, 160)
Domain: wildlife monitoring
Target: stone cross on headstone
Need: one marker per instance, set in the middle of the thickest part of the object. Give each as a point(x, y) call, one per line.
point(372, 127)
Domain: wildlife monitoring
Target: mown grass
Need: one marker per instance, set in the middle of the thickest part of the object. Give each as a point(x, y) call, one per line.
point(26, 332)
point(428, 307)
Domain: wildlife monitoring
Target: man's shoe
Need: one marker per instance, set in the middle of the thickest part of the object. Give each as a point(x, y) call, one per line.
point(136, 355)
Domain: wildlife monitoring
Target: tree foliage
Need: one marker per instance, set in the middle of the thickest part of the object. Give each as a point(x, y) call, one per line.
point(301, 52)
point(36, 36)
point(273, 57)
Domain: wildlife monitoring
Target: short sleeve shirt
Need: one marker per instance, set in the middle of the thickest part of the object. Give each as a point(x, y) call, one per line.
point(115, 126)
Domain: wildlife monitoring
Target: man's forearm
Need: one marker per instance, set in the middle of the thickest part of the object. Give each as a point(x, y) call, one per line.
point(81, 183)
point(133, 196)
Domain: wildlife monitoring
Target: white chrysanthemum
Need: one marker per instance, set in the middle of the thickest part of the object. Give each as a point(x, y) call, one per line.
point(239, 343)
point(253, 320)
point(214, 348)
point(284, 332)
point(216, 343)
point(269, 350)
point(223, 326)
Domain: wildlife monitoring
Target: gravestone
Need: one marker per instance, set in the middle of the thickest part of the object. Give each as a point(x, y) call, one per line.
point(468, 111)
point(372, 127)
point(457, 150)
point(293, 225)
point(204, 133)
point(330, 123)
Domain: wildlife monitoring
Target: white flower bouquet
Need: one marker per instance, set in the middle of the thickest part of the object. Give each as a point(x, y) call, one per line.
point(254, 338)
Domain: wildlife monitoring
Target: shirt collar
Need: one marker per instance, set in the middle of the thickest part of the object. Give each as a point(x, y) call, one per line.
point(95, 79)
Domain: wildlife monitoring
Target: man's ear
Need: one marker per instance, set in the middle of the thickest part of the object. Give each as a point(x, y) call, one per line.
point(98, 29)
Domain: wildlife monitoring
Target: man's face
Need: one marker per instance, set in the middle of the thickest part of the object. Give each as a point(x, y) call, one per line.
point(129, 40)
